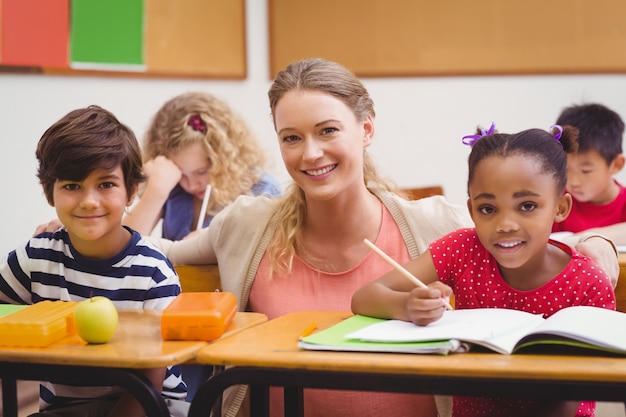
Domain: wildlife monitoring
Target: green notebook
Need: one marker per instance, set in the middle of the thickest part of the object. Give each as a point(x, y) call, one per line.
point(334, 338)
point(10, 308)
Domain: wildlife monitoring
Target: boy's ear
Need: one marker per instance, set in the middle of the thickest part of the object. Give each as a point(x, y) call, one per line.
point(563, 208)
point(618, 163)
point(132, 196)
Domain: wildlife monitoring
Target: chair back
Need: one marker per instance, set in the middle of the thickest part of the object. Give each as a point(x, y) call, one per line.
point(422, 192)
point(620, 290)
point(199, 278)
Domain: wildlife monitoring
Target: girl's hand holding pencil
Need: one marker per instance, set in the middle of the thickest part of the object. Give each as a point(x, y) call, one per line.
point(400, 268)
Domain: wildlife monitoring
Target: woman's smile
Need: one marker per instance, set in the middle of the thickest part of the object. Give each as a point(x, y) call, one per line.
point(320, 171)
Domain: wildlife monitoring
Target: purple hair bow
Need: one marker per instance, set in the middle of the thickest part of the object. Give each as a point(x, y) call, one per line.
point(470, 140)
point(558, 134)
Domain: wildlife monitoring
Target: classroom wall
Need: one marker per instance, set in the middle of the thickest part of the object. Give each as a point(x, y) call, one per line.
point(419, 123)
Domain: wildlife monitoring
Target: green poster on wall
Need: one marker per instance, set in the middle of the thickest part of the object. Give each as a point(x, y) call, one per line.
point(107, 35)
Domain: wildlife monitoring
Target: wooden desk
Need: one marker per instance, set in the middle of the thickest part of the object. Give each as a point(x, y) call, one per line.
point(137, 344)
point(267, 355)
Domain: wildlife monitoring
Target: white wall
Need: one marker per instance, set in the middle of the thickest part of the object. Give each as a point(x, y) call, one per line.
point(420, 121)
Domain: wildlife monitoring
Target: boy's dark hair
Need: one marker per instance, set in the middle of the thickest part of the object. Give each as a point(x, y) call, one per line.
point(85, 140)
point(600, 128)
point(536, 143)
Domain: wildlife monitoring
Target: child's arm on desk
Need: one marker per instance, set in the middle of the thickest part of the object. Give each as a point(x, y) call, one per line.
point(615, 232)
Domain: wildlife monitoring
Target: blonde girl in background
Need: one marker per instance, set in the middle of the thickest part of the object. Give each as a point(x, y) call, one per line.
point(195, 140)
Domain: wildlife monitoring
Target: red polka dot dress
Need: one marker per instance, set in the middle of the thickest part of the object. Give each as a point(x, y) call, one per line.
point(464, 264)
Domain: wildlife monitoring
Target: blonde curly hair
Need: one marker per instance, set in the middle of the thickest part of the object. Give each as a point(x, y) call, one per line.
point(236, 158)
point(332, 78)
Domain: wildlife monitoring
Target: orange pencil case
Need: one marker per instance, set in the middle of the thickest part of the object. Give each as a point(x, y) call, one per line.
point(198, 316)
point(39, 324)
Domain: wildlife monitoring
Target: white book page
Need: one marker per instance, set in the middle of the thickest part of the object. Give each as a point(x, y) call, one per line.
point(491, 325)
point(593, 325)
point(505, 341)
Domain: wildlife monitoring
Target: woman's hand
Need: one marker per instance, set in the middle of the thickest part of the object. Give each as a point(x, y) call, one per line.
point(52, 226)
point(603, 253)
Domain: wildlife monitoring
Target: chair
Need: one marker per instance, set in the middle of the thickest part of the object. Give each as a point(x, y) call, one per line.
point(422, 192)
point(620, 290)
point(199, 278)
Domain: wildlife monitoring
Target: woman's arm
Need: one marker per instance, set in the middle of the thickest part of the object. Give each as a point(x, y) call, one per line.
point(196, 250)
point(601, 250)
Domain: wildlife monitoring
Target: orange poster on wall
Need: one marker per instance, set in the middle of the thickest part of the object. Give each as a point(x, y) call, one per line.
point(191, 37)
point(34, 33)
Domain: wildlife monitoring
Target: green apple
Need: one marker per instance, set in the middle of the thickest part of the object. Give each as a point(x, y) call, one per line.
point(96, 319)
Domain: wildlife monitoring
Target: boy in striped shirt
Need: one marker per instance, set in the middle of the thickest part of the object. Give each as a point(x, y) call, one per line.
point(90, 168)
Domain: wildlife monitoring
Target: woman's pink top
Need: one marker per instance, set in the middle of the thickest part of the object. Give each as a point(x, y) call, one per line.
point(306, 288)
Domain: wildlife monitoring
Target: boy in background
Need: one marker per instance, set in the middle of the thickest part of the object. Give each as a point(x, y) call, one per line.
point(599, 201)
point(90, 168)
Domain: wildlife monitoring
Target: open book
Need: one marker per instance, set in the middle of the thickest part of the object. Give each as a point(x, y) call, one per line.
point(501, 330)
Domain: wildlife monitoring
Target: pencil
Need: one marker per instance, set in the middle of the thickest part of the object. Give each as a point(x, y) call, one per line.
point(205, 204)
point(399, 268)
point(307, 331)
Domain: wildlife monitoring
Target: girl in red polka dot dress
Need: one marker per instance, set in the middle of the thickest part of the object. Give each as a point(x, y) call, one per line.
point(508, 260)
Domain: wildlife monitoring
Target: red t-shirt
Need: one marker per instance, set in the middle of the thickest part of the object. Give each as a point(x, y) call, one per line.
point(587, 216)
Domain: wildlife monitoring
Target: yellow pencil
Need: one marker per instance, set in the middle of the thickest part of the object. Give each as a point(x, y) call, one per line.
point(307, 331)
point(399, 268)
